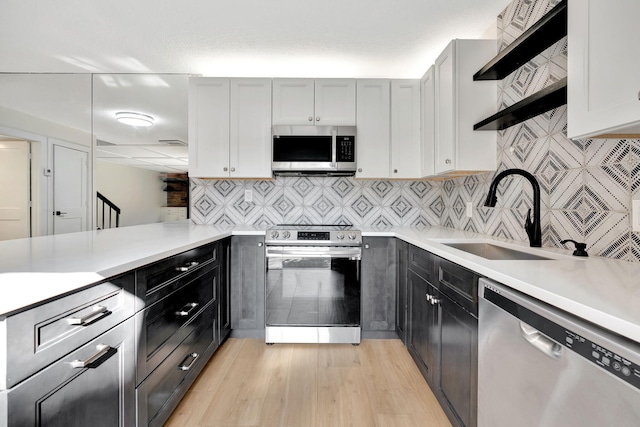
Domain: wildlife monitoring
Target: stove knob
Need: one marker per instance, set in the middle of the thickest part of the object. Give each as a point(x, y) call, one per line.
point(352, 236)
point(286, 234)
point(274, 234)
point(340, 235)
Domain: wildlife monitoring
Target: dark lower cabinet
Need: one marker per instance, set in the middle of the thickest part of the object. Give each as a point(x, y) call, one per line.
point(458, 364)
point(442, 332)
point(247, 285)
point(424, 325)
point(402, 294)
point(91, 386)
point(224, 290)
point(378, 294)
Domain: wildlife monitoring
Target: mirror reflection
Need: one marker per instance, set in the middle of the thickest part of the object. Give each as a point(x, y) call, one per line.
point(141, 167)
point(61, 144)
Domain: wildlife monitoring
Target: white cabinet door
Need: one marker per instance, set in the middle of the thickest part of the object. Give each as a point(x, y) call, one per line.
point(293, 102)
point(335, 102)
point(330, 102)
point(461, 102)
point(250, 133)
point(445, 144)
point(373, 154)
point(208, 127)
point(405, 129)
point(604, 81)
point(428, 123)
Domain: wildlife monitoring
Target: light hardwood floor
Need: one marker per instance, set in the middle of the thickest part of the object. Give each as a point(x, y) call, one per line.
point(248, 383)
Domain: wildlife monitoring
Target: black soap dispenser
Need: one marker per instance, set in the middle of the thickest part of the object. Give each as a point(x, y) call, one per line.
point(580, 247)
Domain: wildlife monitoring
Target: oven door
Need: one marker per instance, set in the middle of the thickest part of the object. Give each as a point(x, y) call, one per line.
point(313, 294)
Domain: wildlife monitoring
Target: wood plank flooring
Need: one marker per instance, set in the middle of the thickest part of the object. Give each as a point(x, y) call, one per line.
point(248, 383)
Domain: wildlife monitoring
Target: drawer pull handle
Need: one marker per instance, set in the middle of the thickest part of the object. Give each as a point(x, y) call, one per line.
point(187, 310)
point(104, 352)
point(188, 266)
point(184, 367)
point(99, 312)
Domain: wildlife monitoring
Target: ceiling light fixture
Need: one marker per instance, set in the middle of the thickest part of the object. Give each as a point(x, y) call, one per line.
point(134, 119)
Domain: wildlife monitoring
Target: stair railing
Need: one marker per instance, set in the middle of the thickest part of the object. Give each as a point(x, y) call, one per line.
point(112, 209)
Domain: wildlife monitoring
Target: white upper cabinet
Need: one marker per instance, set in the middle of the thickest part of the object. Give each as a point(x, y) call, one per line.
point(603, 69)
point(373, 153)
point(405, 129)
point(229, 128)
point(388, 129)
point(208, 127)
point(427, 122)
point(250, 130)
point(330, 102)
point(459, 103)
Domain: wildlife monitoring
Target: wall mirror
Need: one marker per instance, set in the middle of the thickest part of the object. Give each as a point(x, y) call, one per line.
point(66, 123)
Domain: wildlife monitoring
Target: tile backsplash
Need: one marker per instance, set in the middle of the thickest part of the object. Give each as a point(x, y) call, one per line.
point(586, 185)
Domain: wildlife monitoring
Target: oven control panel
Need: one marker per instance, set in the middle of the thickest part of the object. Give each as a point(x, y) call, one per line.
point(313, 235)
point(317, 236)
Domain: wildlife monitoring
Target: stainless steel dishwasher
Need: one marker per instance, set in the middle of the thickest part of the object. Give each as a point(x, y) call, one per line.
point(540, 366)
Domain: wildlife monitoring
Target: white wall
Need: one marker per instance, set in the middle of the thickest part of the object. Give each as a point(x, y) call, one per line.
point(138, 192)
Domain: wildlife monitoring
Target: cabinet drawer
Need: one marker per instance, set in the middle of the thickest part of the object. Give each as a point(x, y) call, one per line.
point(157, 280)
point(422, 263)
point(37, 337)
point(69, 394)
point(155, 396)
point(459, 284)
point(163, 325)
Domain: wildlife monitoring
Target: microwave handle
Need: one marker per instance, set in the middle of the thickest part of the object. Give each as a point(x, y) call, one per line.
point(334, 146)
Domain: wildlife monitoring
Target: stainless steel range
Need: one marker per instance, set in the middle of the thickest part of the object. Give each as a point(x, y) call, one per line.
point(313, 284)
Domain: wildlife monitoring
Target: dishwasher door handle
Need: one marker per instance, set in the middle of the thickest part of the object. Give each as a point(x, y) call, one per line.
point(540, 341)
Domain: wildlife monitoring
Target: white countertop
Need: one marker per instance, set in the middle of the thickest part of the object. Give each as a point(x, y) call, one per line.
point(600, 290)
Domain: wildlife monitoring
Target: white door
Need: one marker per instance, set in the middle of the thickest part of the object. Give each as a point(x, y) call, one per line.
point(70, 188)
point(15, 214)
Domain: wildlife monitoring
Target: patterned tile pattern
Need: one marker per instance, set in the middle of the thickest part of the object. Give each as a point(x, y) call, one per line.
point(587, 185)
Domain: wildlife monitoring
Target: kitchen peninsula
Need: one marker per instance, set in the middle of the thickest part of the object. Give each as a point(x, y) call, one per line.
point(45, 271)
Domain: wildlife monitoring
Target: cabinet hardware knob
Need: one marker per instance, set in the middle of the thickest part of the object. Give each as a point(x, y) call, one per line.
point(317, 119)
point(260, 244)
point(448, 161)
point(366, 246)
point(359, 169)
point(233, 169)
point(225, 169)
point(310, 118)
point(395, 171)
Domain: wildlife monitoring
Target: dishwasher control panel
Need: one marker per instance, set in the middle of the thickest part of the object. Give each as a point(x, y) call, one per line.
point(606, 359)
point(611, 362)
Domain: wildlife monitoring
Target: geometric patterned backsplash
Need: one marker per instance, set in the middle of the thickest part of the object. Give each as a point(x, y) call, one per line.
point(586, 185)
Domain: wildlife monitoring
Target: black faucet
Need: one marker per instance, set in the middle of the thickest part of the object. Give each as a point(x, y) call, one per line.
point(532, 228)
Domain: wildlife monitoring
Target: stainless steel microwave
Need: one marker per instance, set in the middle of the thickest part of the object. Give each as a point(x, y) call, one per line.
point(313, 150)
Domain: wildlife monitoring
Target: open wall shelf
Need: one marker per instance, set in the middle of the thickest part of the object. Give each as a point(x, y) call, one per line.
point(540, 102)
point(548, 30)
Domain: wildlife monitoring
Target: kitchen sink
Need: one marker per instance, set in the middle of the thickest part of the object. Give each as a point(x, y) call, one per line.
point(495, 252)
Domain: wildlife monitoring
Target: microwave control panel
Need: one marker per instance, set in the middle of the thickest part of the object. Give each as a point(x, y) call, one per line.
point(345, 148)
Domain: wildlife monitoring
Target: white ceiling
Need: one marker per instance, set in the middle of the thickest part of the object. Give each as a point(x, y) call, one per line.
point(276, 38)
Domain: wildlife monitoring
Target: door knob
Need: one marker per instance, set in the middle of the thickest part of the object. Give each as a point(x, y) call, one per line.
point(58, 213)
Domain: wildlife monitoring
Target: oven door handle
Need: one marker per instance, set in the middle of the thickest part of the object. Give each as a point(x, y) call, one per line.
point(353, 253)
